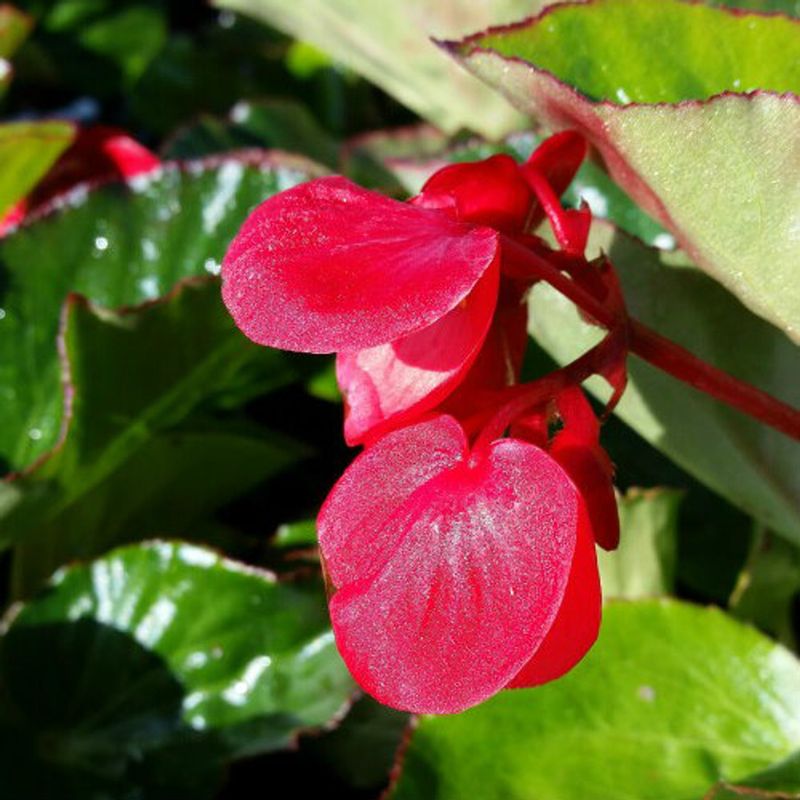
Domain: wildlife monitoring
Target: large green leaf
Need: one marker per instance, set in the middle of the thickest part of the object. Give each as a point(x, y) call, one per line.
point(27, 151)
point(644, 563)
point(121, 245)
point(137, 675)
point(389, 44)
point(718, 172)
point(751, 465)
point(672, 699)
point(78, 501)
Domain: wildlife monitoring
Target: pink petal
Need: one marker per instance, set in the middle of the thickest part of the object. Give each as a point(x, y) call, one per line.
point(578, 622)
point(489, 192)
point(388, 385)
point(351, 524)
point(329, 266)
point(476, 561)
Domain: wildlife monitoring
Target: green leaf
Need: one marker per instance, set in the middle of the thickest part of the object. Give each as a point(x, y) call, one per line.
point(97, 46)
point(768, 586)
point(120, 245)
point(717, 172)
point(389, 43)
point(672, 698)
point(27, 151)
point(134, 675)
point(751, 465)
point(644, 563)
point(296, 534)
point(280, 124)
point(362, 748)
point(14, 29)
point(78, 501)
point(779, 782)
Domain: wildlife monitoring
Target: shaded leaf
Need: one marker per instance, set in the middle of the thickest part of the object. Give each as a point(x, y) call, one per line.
point(124, 677)
point(280, 124)
point(768, 586)
point(672, 698)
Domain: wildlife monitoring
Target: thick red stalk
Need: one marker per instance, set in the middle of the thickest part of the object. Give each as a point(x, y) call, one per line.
point(657, 349)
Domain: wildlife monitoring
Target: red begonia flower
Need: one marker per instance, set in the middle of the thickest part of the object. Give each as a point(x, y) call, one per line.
point(577, 623)
point(448, 566)
point(98, 154)
point(387, 385)
point(328, 266)
point(577, 448)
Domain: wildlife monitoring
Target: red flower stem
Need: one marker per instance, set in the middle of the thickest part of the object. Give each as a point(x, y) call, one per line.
point(519, 399)
point(657, 349)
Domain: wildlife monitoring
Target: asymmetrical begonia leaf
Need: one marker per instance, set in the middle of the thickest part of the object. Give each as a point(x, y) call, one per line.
point(456, 579)
point(119, 245)
point(672, 699)
point(329, 266)
point(749, 464)
point(27, 151)
point(389, 43)
point(123, 677)
point(719, 171)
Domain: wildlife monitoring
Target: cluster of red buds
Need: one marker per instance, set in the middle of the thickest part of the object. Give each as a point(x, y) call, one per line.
point(459, 546)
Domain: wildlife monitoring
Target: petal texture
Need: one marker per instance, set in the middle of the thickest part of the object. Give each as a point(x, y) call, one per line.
point(329, 266)
point(578, 621)
point(386, 386)
point(475, 560)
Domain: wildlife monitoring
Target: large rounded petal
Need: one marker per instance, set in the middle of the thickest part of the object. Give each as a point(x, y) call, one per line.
point(388, 385)
point(578, 621)
point(479, 564)
point(329, 266)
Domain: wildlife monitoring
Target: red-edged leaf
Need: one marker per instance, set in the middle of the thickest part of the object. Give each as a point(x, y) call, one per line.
point(329, 266)
point(388, 385)
point(471, 567)
point(489, 192)
point(578, 621)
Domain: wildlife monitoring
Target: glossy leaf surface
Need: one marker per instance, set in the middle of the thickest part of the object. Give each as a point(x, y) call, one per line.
point(151, 673)
point(672, 698)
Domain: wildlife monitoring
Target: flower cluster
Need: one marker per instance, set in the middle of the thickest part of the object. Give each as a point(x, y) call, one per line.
point(459, 546)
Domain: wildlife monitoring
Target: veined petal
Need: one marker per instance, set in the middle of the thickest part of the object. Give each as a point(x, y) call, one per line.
point(329, 266)
point(479, 562)
point(353, 537)
point(578, 621)
point(388, 385)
